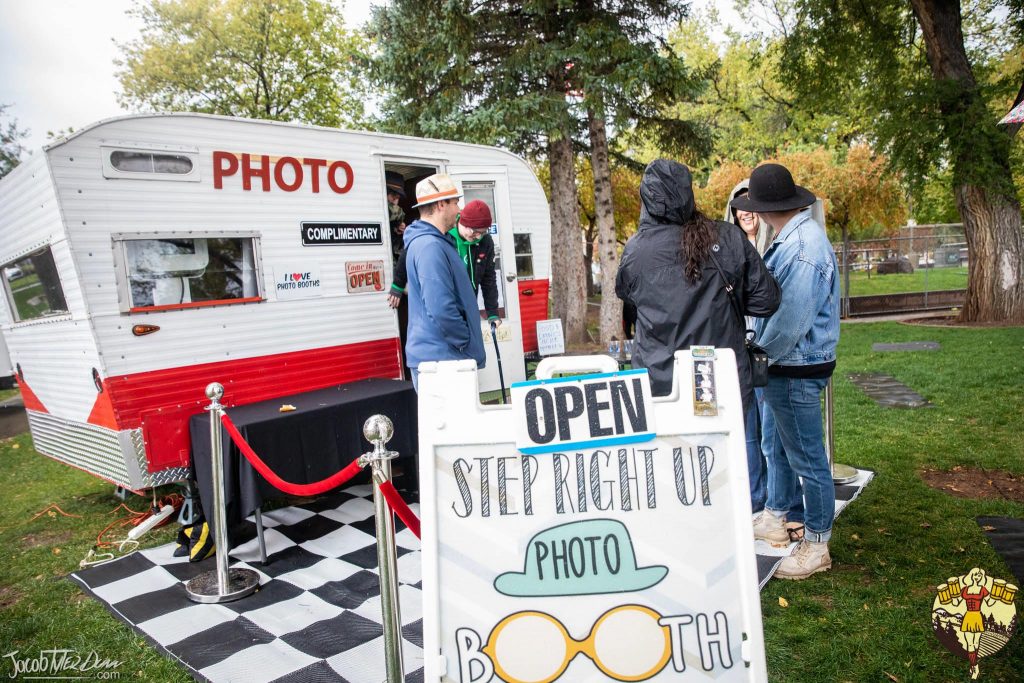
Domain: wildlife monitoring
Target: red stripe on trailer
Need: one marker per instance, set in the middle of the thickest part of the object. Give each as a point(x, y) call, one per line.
point(533, 306)
point(162, 401)
point(102, 413)
point(29, 398)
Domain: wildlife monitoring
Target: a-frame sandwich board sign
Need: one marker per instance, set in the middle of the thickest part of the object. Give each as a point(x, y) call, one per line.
point(588, 532)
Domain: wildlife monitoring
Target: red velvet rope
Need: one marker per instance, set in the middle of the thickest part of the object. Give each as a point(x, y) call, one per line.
point(391, 495)
point(403, 511)
point(314, 489)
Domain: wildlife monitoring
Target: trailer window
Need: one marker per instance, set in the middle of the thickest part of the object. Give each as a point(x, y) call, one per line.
point(524, 254)
point(185, 272)
point(146, 162)
point(33, 286)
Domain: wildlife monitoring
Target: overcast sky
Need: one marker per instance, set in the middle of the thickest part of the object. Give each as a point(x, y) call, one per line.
point(56, 59)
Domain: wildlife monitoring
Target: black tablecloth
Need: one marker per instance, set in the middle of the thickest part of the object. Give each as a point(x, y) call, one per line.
point(306, 445)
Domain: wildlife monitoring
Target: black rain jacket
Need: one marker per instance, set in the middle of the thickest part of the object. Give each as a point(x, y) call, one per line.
point(673, 314)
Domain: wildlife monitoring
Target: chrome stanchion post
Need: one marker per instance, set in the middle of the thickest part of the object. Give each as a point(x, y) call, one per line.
point(378, 430)
point(841, 474)
point(220, 584)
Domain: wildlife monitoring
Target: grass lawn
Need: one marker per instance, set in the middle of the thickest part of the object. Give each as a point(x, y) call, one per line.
point(922, 279)
point(866, 620)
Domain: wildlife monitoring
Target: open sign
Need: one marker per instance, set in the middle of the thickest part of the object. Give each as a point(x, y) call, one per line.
point(604, 409)
point(364, 276)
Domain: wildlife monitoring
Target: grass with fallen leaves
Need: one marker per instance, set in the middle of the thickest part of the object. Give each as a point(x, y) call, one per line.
point(869, 619)
point(866, 620)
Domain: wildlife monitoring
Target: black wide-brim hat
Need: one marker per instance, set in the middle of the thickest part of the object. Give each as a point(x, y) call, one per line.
point(772, 189)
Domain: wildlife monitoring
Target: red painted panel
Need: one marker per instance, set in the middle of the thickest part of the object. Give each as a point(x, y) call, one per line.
point(162, 401)
point(29, 399)
point(533, 306)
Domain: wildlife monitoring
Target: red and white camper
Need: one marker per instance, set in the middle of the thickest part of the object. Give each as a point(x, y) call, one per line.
point(147, 256)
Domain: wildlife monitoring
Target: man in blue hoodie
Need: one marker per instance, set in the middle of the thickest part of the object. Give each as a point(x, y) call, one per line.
point(444, 321)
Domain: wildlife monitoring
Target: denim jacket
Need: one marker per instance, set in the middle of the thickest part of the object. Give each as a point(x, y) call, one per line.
point(805, 328)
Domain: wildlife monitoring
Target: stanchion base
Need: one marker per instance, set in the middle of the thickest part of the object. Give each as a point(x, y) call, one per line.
point(843, 474)
point(204, 588)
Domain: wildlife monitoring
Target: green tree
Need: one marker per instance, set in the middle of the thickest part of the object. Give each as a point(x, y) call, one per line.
point(11, 149)
point(749, 110)
point(540, 77)
point(287, 60)
point(920, 69)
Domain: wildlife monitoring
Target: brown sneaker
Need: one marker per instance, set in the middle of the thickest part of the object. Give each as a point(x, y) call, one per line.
point(808, 558)
point(768, 527)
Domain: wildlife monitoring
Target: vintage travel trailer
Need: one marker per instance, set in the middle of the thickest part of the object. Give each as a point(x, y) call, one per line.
point(147, 256)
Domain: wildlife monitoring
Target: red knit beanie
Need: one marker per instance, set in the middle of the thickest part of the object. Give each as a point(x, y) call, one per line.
point(476, 215)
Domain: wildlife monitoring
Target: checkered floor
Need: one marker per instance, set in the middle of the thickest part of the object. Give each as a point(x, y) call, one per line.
point(319, 619)
point(769, 558)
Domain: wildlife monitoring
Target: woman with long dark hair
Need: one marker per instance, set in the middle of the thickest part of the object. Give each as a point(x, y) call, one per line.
point(668, 271)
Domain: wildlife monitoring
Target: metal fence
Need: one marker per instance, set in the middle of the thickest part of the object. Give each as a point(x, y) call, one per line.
point(923, 267)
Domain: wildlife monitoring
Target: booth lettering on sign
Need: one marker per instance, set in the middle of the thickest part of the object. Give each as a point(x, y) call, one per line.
point(588, 531)
point(147, 256)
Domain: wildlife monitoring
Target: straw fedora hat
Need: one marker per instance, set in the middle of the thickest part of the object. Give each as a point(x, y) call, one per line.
point(435, 188)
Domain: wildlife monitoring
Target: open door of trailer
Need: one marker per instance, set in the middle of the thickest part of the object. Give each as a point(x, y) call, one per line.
point(490, 185)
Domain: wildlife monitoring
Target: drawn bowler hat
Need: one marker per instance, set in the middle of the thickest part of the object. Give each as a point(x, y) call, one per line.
point(590, 557)
point(772, 189)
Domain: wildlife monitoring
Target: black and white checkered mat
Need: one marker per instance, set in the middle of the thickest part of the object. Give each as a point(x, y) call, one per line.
point(319, 619)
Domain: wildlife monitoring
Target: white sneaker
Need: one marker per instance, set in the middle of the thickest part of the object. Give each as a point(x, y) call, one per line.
point(808, 558)
point(768, 527)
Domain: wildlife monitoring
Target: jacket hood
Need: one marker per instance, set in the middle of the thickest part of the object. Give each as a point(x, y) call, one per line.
point(666, 193)
point(736, 192)
point(421, 228)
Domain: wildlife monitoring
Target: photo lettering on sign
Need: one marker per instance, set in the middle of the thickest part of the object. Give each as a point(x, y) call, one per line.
point(288, 173)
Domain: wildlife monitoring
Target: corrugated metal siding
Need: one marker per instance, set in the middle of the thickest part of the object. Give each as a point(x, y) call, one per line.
point(57, 354)
point(93, 449)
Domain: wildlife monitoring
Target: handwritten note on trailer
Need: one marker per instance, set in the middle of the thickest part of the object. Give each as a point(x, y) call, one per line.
point(586, 561)
point(606, 409)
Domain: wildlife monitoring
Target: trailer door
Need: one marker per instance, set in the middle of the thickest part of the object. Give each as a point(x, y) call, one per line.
point(490, 185)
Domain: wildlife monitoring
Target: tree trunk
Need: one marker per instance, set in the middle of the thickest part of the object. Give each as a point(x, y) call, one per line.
point(985, 196)
point(604, 212)
point(568, 294)
point(995, 247)
point(588, 265)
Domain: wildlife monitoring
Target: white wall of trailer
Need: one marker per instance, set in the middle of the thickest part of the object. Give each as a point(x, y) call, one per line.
point(93, 208)
point(56, 349)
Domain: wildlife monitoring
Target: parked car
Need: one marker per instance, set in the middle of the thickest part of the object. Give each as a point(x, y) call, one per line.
point(12, 273)
point(897, 264)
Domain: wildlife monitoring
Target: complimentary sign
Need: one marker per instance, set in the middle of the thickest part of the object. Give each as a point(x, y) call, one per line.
point(588, 411)
point(328, 234)
point(586, 560)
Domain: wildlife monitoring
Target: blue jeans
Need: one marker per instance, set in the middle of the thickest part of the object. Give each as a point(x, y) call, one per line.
point(793, 443)
point(756, 466)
